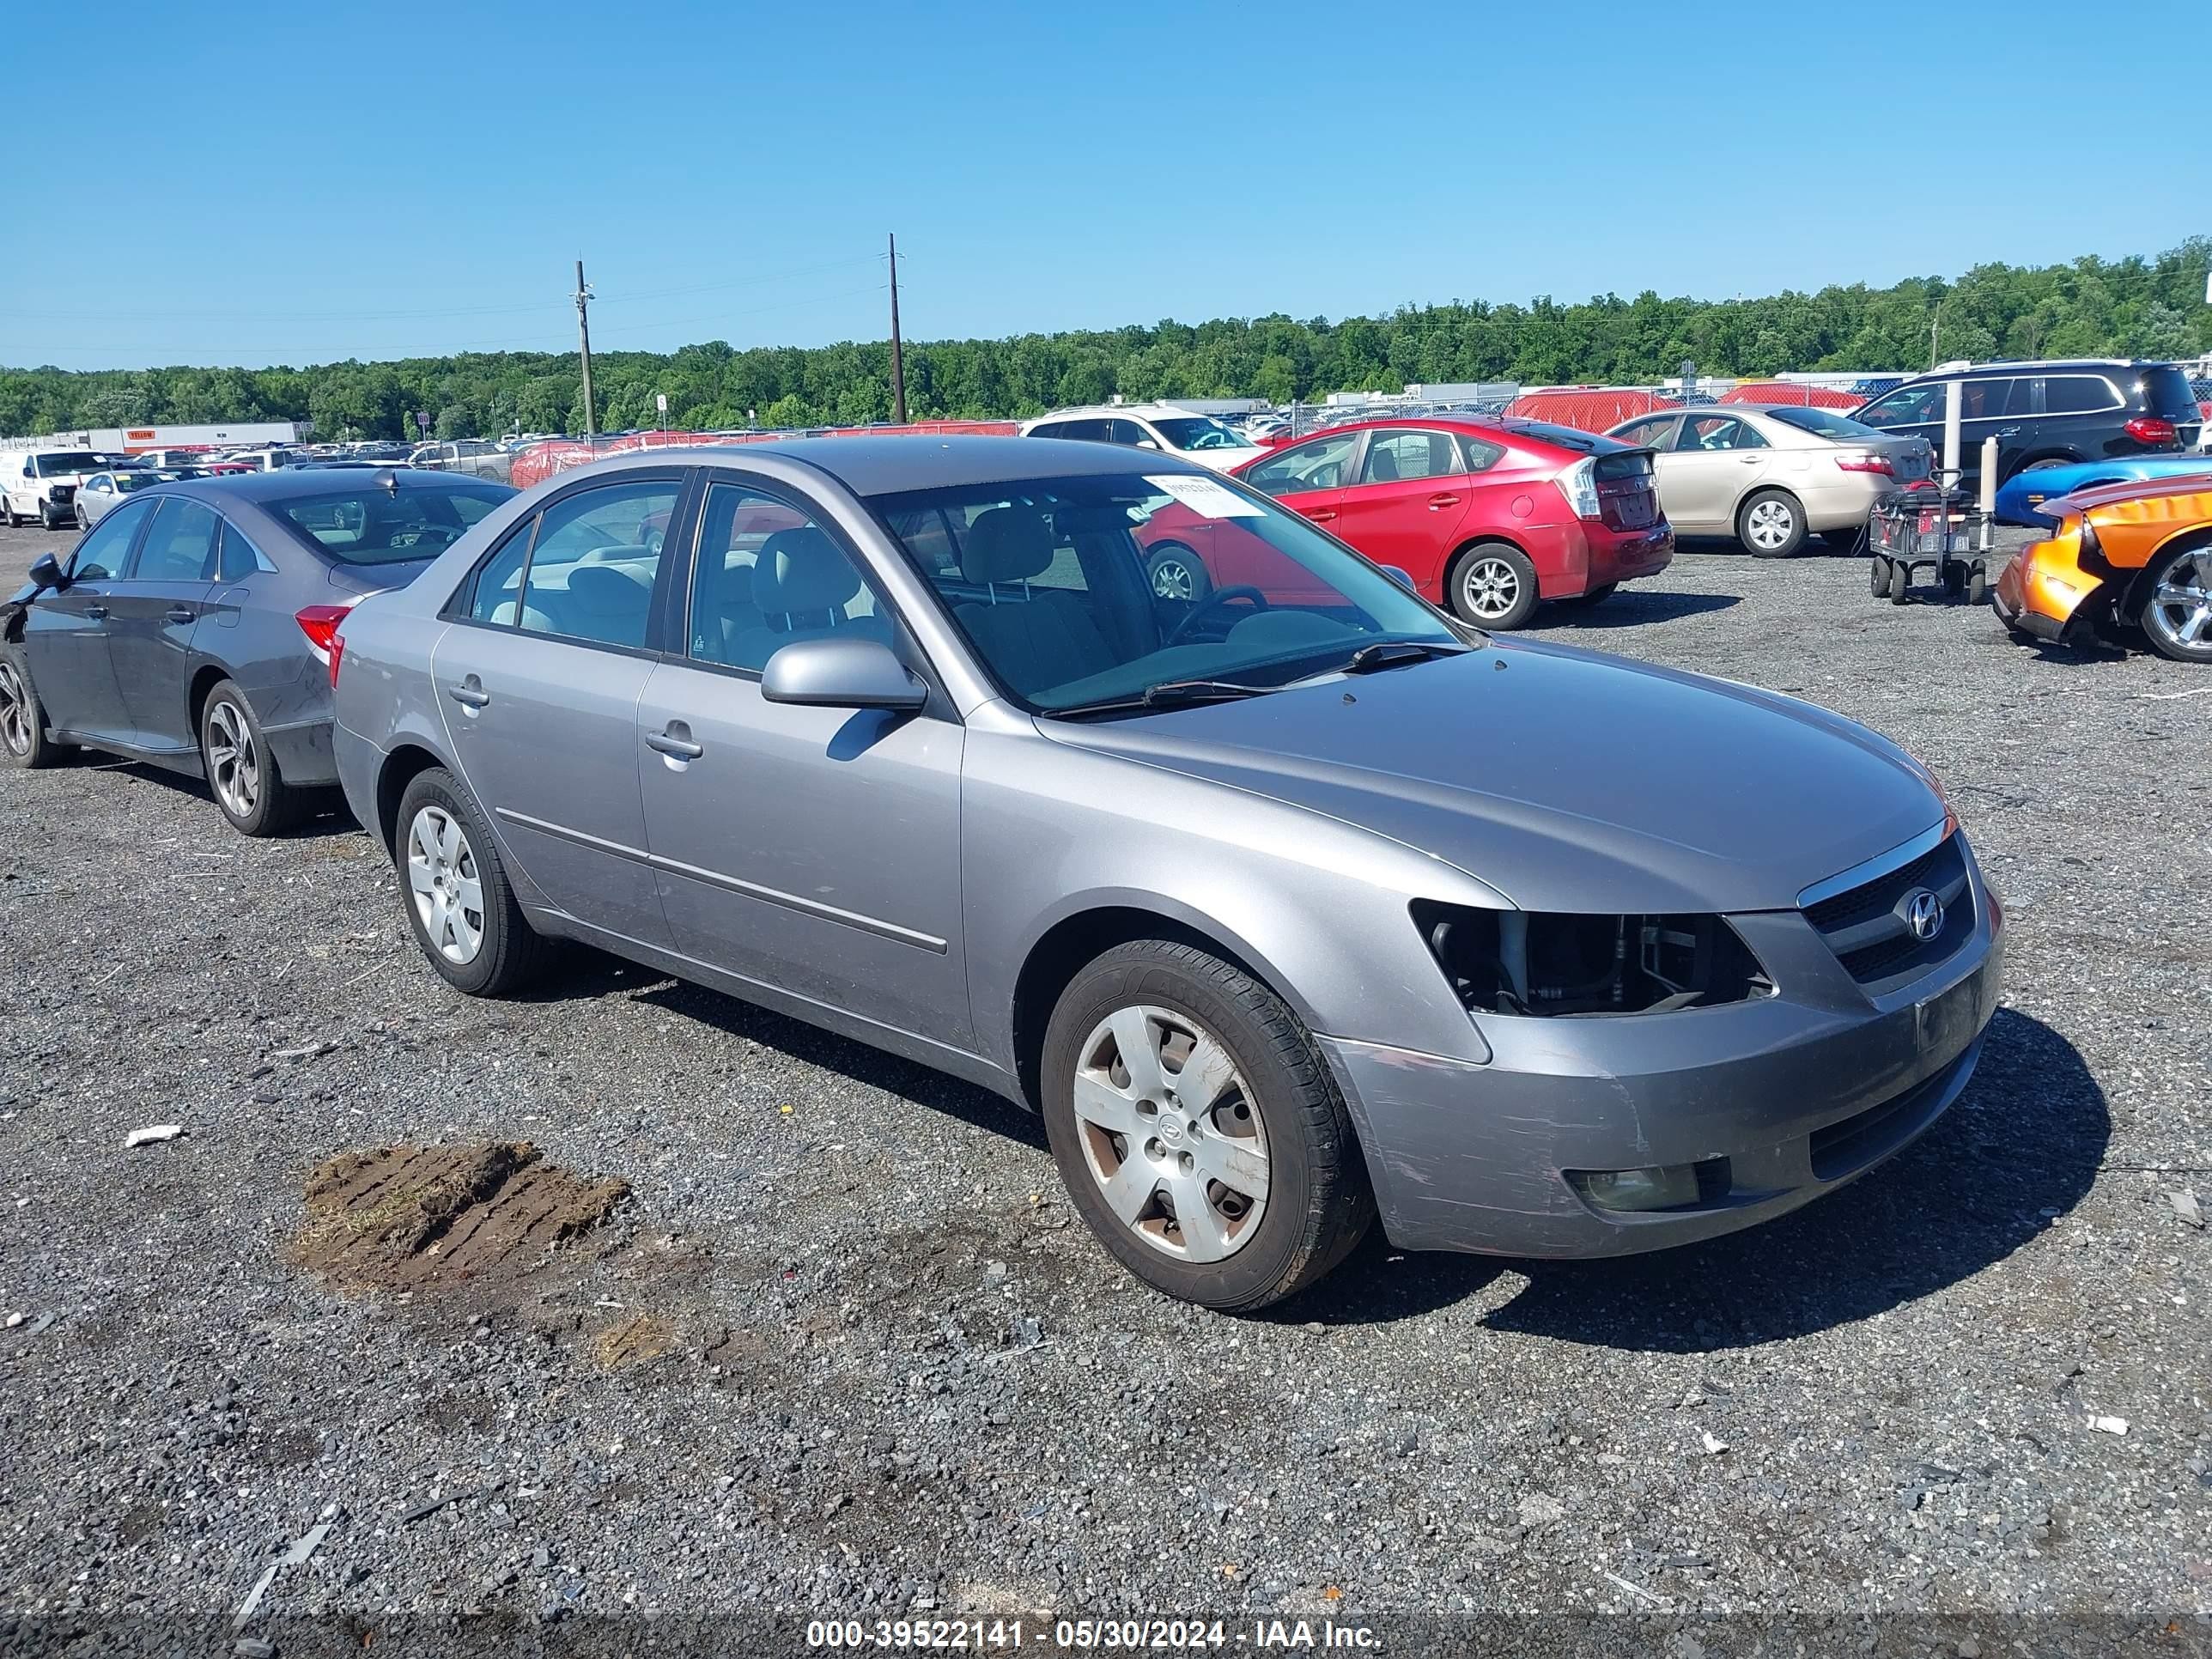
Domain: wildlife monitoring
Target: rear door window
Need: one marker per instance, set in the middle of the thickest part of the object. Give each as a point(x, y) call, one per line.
point(180, 546)
point(591, 570)
point(1705, 432)
point(1405, 456)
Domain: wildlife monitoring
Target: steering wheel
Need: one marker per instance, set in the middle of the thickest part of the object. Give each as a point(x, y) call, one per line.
point(1214, 601)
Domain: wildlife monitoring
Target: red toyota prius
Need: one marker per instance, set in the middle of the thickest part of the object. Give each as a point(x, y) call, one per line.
point(1490, 518)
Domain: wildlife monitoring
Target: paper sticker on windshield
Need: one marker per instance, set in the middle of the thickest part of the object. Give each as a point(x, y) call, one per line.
point(1207, 496)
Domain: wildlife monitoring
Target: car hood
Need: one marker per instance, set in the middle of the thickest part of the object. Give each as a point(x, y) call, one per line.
point(1564, 779)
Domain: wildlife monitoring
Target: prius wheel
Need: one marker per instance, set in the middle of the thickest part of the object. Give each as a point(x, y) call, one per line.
point(2177, 615)
point(23, 741)
point(1197, 1129)
point(1175, 574)
point(459, 903)
point(1772, 525)
point(241, 773)
point(1493, 586)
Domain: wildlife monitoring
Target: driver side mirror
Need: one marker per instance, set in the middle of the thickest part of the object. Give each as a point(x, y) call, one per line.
point(1147, 443)
point(847, 673)
point(46, 571)
point(1400, 576)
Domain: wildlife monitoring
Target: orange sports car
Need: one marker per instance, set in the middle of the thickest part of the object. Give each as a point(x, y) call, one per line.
point(2138, 554)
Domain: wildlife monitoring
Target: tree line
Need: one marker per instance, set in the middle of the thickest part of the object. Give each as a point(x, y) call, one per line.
point(2091, 308)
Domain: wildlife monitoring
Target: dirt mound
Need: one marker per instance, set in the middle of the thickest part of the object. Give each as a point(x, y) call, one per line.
point(422, 1218)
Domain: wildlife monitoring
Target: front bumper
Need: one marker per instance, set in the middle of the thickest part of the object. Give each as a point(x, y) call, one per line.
point(2044, 592)
point(1799, 1092)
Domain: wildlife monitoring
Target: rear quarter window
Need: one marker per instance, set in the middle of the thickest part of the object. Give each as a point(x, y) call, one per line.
point(2166, 394)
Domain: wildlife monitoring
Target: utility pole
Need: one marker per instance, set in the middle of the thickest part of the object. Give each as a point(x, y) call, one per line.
point(899, 364)
point(1935, 335)
point(584, 346)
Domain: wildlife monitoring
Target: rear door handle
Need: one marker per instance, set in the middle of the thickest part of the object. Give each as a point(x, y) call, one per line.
point(1322, 515)
point(95, 611)
point(470, 693)
point(1442, 499)
point(182, 613)
point(2007, 432)
point(675, 742)
point(1747, 460)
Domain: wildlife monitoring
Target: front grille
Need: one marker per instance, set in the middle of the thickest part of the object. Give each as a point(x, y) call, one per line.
point(1867, 925)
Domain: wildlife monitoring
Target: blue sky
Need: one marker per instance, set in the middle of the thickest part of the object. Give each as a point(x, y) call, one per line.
point(299, 183)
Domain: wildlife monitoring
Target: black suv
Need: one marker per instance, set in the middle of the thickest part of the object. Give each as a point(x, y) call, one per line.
point(2046, 414)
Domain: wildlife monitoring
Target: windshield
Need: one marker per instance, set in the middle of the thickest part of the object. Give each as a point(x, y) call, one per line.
point(71, 462)
point(1089, 591)
point(367, 524)
point(1826, 422)
point(1200, 432)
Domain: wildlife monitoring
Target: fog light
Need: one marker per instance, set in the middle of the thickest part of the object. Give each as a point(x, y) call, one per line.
point(1668, 1187)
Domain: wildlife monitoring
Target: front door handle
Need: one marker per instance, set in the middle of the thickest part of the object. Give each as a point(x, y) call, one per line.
point(1442, 499)
point(95, 611)
point(675, 742)
point(2007, 432)
point(182, 613)
point(1322, 515)
point(1747, 460)
point(470, 693)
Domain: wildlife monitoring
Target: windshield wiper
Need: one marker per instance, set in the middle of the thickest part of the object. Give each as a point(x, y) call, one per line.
point(1392, 653)
point(1170, 694)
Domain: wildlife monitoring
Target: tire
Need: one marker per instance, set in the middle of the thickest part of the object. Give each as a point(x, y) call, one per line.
point(508, 952)
point(1272, 1092)
point(1900, 578)
point(1177, 573)
point(2169, 617)
point(1595, 596)
point(1492, 585)
point(23, 741)
point(82, 522)
point(1879, 567)
point(1771, 524)
point(1955, 579)
point(46, 518)
point(1977, 586)
point(241, 772)
point(14, 518)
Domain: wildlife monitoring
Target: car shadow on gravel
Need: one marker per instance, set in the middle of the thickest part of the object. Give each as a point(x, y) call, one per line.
point(326, 812)
point(2020, 1148)
point(1629, 609)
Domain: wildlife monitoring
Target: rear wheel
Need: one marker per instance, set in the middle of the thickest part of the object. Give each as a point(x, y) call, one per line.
point(23, 741)
point(1771, 524)
point(1198, 1130)
point(241, 773)
point(2177, 612)
point(82, 522)
point(460, 906)
point(1900, 578)
point(1492, 584)
point(1977, 586)
point(1878, 569)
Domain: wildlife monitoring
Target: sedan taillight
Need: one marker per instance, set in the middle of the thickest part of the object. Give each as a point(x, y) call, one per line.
point(1861, 460)
point(319, 622)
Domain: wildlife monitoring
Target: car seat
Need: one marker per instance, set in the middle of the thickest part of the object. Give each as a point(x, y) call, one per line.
point(1033, 638)
point(801, 584)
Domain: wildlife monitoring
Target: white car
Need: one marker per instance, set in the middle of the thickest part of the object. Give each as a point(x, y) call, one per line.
point(1164, 426)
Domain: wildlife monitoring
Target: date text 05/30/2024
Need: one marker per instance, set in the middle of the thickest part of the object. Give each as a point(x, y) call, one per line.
point(1084, 1635)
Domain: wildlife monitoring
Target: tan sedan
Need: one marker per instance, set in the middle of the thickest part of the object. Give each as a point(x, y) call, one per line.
point(1771, 476)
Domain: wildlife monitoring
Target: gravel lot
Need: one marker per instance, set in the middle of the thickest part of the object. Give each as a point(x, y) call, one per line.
point(894, 1375)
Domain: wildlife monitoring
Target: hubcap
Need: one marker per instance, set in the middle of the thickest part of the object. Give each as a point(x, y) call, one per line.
point(1172, 580)
point(233, 763)
point(1490, 588)
point(14, 710)
point(2180, 610)
point(1770, 524)
point(441, 878)
point(1171, 1134)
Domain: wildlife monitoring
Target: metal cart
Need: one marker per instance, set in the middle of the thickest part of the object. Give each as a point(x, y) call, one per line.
point(1941, 530)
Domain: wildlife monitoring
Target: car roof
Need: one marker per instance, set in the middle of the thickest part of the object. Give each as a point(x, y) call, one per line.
point(1526, 429)
point(291, 484)
point(1142, 411)
point(2035, 364)
point(888, 465)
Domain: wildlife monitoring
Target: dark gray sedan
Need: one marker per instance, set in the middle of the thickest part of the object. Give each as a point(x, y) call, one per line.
point(191, 625)
point(1286, 906)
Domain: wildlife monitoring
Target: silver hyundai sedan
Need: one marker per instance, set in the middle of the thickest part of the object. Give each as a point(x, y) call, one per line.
point(1286, 907)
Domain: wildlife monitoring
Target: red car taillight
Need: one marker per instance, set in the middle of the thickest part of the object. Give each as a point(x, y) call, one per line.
point(1857, 460)
point(2150, 430)
point(319, 622)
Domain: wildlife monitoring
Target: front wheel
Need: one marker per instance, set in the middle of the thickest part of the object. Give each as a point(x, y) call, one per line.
point(1772, 525)
point(460, 906)
point(23, 740)
point(1492, 585)
point(1176, 572)
point(82, 522)
point(2177, 614)
point(1198, 1130)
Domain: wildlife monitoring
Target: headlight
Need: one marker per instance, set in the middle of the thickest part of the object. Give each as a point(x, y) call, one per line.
point(1544, 962)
